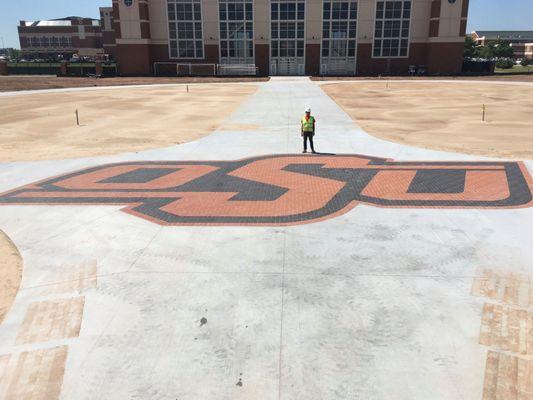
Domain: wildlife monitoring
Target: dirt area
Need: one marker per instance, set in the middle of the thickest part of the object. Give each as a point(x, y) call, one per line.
point(443, 116)
point(43, 126)
point(10, 274)
point(497, 77)
point(14, 83)
point(240, 127)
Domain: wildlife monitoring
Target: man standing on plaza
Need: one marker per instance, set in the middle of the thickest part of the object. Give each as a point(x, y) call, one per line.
point(308, 129)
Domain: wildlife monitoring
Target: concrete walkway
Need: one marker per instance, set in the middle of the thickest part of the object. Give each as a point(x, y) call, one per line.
point(373, 304)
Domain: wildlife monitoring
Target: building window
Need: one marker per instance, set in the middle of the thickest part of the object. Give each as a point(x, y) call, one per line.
point(54, 42)
point(391, 36)
point(106, 22)
point(236, 31)
point(35, 42)
point(339, 29)
point(185, 29)
point(128, 3)
point(66, 42)
point(287, 28)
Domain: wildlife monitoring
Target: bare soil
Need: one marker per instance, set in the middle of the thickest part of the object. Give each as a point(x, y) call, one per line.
point(15, 83)
point(443, 116)
point(10, 274)
point(43, 126)
point(511, 78)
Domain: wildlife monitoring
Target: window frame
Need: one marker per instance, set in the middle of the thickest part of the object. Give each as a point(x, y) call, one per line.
point(54, 42)
point(248, 43)
point(299, 22)
point(347, 40)
point(45, 41)
point(384, 38)
point(194, 40)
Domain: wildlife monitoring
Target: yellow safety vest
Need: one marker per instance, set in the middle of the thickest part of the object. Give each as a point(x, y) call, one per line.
point(308, 125)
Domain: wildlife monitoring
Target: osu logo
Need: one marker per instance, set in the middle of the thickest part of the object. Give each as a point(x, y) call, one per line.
point(281, 190)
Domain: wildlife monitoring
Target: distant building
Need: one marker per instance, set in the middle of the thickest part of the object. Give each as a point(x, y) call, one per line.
point(61, 37)
point(107, 24)
point(528, 51)
point(292, 37)
point(521, 41)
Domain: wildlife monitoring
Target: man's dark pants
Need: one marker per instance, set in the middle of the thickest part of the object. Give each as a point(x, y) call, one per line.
point(309, 135)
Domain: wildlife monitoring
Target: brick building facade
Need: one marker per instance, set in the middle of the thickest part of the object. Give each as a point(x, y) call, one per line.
point(293, 37)
point(108, 32)
point(64, 37)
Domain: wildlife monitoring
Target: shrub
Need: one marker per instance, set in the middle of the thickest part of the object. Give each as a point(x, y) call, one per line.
point(505, 63)
point(525, 62)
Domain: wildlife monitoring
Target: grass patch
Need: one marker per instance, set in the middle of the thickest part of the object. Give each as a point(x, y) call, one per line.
point(517, 69)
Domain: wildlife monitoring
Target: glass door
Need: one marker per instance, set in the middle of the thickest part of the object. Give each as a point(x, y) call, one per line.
point(287, 44)
point(339, 38)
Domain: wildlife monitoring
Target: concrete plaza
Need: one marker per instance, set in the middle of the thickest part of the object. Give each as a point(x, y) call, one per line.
point(371, 303)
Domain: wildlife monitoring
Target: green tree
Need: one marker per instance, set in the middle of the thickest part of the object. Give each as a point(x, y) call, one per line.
point(503, 49)
point(497, 49)
point(505, 63)
point(15, 53)
point(471, 48)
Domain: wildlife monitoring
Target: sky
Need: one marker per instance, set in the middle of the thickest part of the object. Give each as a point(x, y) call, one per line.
point(483, 14)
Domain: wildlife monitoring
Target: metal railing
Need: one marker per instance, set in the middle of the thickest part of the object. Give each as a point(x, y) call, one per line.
point(54, 68)
point(192, 69)
point(237, 69)
point(31, 68)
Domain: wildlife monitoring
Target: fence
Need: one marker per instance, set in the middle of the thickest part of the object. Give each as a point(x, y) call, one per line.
point(237, 69)
point(189, 69)
point(81, 69)
point(338, 67)
point(478, 67)
point(73, 69)
point(196, 69)
point(33, 68)
point(165, 69)
point(109, 70)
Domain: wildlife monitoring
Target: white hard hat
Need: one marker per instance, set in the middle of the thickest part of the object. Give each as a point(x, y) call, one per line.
point(308, 110)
